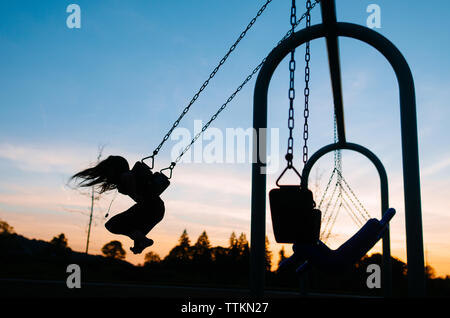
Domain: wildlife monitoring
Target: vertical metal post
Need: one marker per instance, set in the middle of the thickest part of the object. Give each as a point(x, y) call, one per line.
point(410, 152)
point(387, 263)
point(411, 185)
point(258, 204)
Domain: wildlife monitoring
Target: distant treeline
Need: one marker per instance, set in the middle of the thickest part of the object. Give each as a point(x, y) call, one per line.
point(197, 264)
point(202, 263)
point(203, 255)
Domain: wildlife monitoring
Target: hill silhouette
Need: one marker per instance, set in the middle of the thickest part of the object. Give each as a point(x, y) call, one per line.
point(36, 259)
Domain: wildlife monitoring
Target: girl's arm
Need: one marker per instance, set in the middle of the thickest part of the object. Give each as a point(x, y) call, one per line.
point(127, 183)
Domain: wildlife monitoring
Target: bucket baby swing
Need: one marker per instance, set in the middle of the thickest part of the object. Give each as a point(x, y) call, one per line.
point(294, 217)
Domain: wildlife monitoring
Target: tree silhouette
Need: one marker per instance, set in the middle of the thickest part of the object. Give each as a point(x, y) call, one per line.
point(151, 258)
point(220, 255)
point(182, 252)
point(202, 245)
point(184, 239)
point(5, 228)
point(244, 249)
point(429, 272)
point(268, 256)
point(233, 240)
point(243, 245)
point(238, 257)
point(282, 255)
point(202, 250)
point(60, 241)
point(233, 249)
point(114, 250)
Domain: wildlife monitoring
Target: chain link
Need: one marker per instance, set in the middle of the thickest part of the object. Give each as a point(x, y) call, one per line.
point(288, 34)
point(331, 216)
point(291, 92)
point(326, 190)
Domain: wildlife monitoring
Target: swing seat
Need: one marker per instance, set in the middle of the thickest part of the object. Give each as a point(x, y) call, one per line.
point(150, 182)
point(336, 261)
point(294, 218)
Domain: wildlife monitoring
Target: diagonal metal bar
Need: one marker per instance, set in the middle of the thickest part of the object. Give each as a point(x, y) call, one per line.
point(328, 8)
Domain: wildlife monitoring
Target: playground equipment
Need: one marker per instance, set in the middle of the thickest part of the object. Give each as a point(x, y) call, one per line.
point(330, 29)
point(294, 216)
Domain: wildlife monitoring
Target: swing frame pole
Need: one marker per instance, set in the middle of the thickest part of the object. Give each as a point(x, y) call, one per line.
point(408, 125)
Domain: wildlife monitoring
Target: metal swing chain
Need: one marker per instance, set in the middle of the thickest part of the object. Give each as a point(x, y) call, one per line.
point(341, 181)
point(213, 117)
point(306, 90)
point(291, 92)
point(213, 73)
point(231, 97)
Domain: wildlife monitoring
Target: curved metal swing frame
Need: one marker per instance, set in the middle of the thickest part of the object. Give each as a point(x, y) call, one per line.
point(330, 29)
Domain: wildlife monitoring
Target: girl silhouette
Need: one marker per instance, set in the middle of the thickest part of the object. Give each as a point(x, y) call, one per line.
point(139, 184)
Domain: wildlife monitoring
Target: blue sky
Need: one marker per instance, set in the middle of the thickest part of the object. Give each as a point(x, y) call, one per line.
point(126, 74)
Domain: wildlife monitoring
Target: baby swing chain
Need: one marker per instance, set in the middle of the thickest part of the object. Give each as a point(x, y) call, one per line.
point(289, 154)
point(306, 91)
point(291, 93)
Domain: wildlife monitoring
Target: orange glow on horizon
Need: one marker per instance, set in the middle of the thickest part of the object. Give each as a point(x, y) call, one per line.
point(25, 225)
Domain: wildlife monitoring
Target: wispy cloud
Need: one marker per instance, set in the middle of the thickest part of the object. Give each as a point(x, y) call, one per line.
point(436, 167)
point(39, 158)
point(214, 179)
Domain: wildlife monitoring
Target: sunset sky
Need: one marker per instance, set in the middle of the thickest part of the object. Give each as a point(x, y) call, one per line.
point(122, 79)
